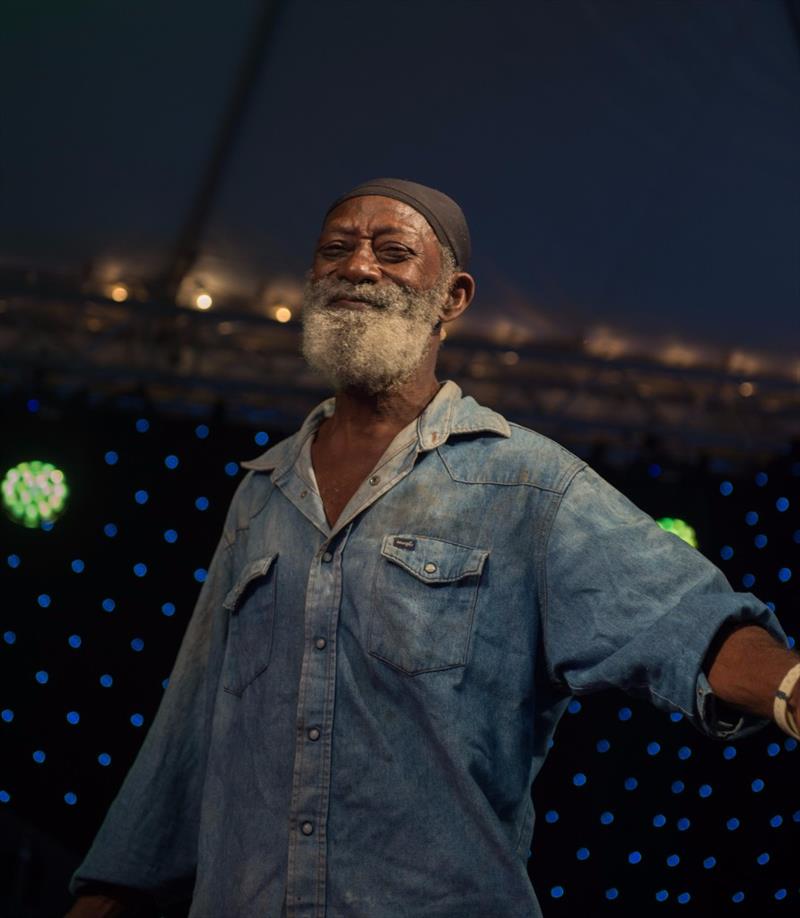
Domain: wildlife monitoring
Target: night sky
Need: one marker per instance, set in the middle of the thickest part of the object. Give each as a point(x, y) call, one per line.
point(623, 164)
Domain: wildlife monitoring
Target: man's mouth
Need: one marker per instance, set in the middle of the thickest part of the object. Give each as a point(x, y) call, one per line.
point(348, 303)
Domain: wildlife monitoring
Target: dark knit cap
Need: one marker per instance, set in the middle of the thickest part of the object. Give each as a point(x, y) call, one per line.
point(442, 213)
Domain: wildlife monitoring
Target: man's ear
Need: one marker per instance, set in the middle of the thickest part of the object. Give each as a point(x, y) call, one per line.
point(462, 292)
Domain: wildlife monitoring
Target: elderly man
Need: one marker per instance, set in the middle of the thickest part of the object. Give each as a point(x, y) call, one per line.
point(406, 593)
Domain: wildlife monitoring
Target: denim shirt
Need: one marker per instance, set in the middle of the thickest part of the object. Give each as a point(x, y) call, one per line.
point(356, 714)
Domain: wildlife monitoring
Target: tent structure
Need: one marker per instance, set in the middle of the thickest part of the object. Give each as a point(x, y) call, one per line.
point(629, 171)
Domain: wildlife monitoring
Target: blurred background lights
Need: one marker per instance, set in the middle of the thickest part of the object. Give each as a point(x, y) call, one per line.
point(109, 605)
point(13, 561)
point(784, 574)
point(78, 566)
point(170, 536)
point(680, 528)
point(34, 493)
point(106, 681)
point(203, 301)
point(606, 818)
point(261, 438)
point(39, 756)
point(111, 457)
point(104, 758)
point(200, 574)
point(761, 479)
point(137, 720)
point(110, 530)
point(168, 609)
point(231, 468)
point(624, 714)
point(119, 293)
point(726, 488)
point(751, 518)
point(43, 599)
point(140, 569)
point(659, 820)
point(612, 893)
point(662, 895)
point(142, 425)
point(757, 786)
point(137, 644)
point(141, 496)
point(201, 503)
point(42, 677)
point(9, 637)
point(70, 798)
point(171, 462)
point(201, 431)
point(732, 824)
point(782, 504)
point(709, 862)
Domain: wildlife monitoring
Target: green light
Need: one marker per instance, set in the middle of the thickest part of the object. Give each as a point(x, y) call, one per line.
point(34, 492)
point(681, 529)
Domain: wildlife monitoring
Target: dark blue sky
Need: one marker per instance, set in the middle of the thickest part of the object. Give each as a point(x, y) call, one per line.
point(620, 163)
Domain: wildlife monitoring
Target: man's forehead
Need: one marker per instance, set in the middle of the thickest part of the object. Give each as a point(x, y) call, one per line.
point(376, 213)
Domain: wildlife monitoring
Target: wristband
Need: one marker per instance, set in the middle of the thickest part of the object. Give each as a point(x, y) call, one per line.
point(780, 708)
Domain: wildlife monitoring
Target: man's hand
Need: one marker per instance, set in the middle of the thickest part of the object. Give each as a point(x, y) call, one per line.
point(124, 904)
point(746, 667)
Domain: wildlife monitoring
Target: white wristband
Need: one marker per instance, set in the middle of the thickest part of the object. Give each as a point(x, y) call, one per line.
point(783, 716)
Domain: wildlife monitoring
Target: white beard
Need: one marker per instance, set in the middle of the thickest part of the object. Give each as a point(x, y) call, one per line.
point(374, 350)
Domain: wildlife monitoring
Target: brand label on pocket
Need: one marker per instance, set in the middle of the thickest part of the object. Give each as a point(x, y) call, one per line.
point(408, 544)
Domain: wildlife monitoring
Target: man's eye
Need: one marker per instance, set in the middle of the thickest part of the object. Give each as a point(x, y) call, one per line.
point(332, 249)
point(394, 253)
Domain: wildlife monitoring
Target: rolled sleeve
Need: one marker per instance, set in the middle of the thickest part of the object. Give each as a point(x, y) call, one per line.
point(630, 606)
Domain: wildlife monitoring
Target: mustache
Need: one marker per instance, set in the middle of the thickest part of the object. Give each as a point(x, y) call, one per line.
point(327, 289)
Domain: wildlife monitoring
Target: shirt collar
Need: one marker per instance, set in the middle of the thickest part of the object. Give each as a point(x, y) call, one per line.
point(448, 412)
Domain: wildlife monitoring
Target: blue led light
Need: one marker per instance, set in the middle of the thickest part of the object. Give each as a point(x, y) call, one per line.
point(33, 405)
point(748, 580)
point(607, 818)
point(142, 425)
point(732, 824)
point(624, 713)
point(705, 790)
point(550, 742)
point(14, 561)
point(684, 752)
point(751, 518)
point(725, 488)
point(654, 470)
point(171, 462)
point(164, 683)
point(634, 857)
point(796, 537)
point(603, 745)
point(43, 599)
point(74, 640)
point(780, 893)
point(726, 552)
point(790, 744)
point(582, 854)
point(710, 862)
point(653, 748)
point(140, 569)
point(737, 897)
point(106, 681)
point(201, 503)
point(200, 574)
point(776, 821)
point(201, 431)
point(760, 540)
point(683, 898)
point(796, 816)
point(168, 609)
point(773, 749)
point(110, 530)
point(141, 496)
point(70, 798)
point(557, 892)
point(662, 895)
point(675, 716)
point(73, 717)
point(771, 607)
point(579, 779)
point(47, 525)
point(7, 715)
point(784, 574)
point(551, 816)
point(659, 820)
point(108, 605)
point(782, 504)
point(39, 756)
point(677, 787)
point(137, 720)
point(789, 638)
point(137, 644)
point(78, 566)
point(631, 783)
point(231, 468)
point(261, 438)
point(673, 860)
point(171, 536)
point(9, 637)
point(42, 676)
point(612, 893)
point(104, 758)
point(761, 479)
point(574, 706)
point(683, 824)
point(111, 457)
point(729, 752)
point(763, 858)
point(4, 796)
point(757, 785)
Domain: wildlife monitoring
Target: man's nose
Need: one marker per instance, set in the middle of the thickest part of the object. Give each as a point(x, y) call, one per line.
point(360, 266)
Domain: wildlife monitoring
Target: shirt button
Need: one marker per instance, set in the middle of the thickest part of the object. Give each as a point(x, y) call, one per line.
point(430, 567)
point(375, 479)
point(313, 733)
point(307, 828)
point(303, 493)
point(327, 556)
point(320, 642)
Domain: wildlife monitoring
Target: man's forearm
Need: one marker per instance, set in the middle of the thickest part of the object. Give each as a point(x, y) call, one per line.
point(747, 668)
point(121, 903)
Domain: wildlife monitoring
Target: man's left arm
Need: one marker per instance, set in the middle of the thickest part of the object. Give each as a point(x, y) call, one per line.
point(746, 667)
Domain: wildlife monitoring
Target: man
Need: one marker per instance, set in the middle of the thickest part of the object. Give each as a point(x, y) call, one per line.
point(405, 595)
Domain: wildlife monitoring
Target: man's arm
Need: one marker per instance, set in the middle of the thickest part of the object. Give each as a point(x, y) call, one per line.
point(747, 665)
point(113, 902)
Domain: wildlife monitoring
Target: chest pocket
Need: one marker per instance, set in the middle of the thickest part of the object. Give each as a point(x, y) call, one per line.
point(423, 601)
point(251, 613)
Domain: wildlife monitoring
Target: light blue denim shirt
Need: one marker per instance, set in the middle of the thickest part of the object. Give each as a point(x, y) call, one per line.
point(356, 715)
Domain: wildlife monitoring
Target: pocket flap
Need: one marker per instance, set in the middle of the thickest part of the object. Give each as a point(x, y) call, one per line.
point(433, 560)
point(252, 571)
